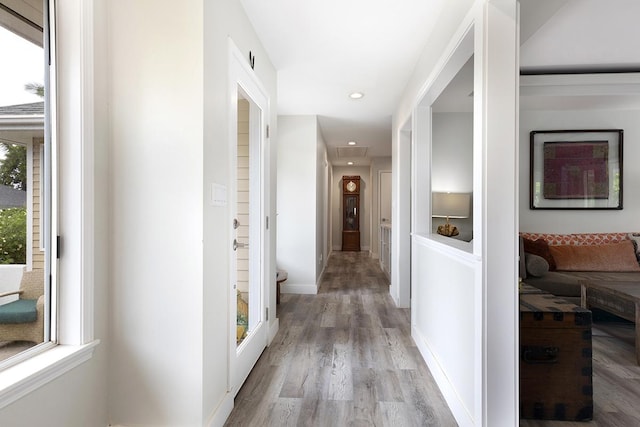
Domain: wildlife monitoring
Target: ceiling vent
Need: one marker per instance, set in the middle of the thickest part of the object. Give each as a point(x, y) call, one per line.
point(344, 152)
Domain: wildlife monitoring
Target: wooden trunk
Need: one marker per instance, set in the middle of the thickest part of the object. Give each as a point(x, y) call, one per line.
point(555, 359)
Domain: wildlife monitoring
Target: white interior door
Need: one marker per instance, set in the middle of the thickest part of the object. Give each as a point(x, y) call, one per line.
point(248, 325)
point(385, 196)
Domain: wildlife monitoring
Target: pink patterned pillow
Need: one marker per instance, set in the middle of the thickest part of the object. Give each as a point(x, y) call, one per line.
point(579, 239)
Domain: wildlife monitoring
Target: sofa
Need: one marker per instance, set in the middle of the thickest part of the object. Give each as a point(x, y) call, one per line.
point(556, 263)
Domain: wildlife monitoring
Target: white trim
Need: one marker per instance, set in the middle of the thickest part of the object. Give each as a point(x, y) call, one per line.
point(71, 123)
point(241, 77)
point(448, 390)
point(456, 50)
point(87, 201)
point(454, 248)
point(321, 276)
point(496, 87)
point(29, 205)
point(580, 84)
point(400, 263)
point(41, 197)
point(22, 379)
point(274, 327)
point(298, 288)
point(222, 412)
point(73, 139)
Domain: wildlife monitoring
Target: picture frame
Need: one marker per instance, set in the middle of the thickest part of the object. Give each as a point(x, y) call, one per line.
point(576, 169)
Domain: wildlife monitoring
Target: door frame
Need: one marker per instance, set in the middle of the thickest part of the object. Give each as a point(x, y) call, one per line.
point(242, 77)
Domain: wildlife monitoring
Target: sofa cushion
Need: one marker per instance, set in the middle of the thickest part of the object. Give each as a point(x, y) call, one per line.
point(19, 311)
point(608, 257)
point(541, 248)
point(536, 265)
point(567, 283)
point(559, 283)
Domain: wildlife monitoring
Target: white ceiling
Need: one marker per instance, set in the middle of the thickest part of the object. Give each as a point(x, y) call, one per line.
point(324, 50)
point(583, 35)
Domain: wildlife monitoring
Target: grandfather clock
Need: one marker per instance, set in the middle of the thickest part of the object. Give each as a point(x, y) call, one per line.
point(350, 213)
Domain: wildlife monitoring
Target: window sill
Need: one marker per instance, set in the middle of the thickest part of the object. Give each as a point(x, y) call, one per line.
point(23, 378)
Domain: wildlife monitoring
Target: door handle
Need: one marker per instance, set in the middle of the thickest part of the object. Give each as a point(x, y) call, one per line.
point(237, 245)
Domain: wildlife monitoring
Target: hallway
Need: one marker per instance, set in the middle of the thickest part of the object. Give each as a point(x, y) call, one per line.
point(342, 357)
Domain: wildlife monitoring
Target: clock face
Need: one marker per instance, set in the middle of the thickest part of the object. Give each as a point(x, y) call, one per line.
point(351, 186)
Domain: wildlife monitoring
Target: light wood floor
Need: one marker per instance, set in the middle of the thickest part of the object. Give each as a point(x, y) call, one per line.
point(345, 357)
point(342, 357)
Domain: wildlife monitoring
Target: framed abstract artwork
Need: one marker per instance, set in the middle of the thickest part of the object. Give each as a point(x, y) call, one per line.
point(576, 169)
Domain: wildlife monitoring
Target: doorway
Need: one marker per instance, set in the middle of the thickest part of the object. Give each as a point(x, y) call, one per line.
point(248, 331)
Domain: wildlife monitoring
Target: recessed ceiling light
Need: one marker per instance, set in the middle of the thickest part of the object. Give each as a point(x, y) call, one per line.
point(356, 95)
point(351, 143)
point(350, 163)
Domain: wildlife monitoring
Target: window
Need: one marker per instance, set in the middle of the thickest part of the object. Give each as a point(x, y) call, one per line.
point(70, 136)
point(25, 196)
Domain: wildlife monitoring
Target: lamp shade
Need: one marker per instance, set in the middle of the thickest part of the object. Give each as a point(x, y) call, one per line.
point(450, 205)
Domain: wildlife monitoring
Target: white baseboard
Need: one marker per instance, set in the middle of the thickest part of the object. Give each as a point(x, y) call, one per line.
point(457, 407)
point(222, 412)
point(274, 325)
point(362, 248)
point(295, 288)
point(320, 277)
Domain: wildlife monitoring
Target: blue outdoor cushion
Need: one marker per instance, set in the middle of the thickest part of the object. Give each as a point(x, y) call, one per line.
point(19, 311)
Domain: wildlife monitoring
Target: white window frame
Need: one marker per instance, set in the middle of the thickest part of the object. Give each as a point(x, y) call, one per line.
point(72, 129)
point(41, 195)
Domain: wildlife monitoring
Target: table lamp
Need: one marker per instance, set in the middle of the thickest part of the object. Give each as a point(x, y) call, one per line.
point(450, 205)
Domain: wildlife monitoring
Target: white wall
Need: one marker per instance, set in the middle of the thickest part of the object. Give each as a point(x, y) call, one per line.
point(452, 151)
point(583, 221)
point(224, 20)
point(299, 215)
point(366, 188)
point(428, 63)
point(156, 87)
point(568, 40)
point(452, 161)
point(474, 360)
point(453, 344)
point(169, 69)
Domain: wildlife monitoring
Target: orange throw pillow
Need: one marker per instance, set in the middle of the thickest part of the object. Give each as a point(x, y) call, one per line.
point(607, 257)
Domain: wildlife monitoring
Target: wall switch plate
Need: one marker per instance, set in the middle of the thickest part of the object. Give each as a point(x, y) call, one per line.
point(218, 195)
